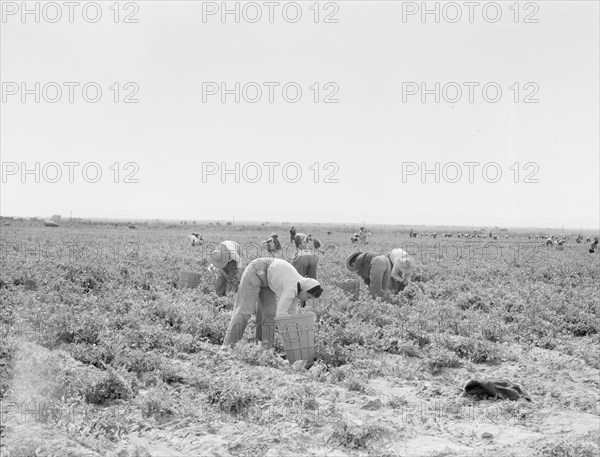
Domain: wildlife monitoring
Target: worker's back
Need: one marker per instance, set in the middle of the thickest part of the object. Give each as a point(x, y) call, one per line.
point(281, 275)
point(305, 264)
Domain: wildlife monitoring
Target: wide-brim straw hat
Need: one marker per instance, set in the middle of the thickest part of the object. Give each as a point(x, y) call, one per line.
point(221, 256)
point(350, 261)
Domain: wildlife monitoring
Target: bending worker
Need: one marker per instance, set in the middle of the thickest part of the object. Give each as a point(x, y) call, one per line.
point(273, 244)
point(305, 261)
point(275, 287)
point(227, 258)
point(373, 268)
point(403, 267)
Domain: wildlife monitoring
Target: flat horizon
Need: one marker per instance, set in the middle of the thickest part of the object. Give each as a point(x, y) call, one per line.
point(294, 223)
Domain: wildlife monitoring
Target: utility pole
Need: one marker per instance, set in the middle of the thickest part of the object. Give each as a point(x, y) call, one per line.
point(233, 220)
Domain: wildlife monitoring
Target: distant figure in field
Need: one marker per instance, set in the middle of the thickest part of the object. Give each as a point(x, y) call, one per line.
point(195, 239)
point(403, 267)
point(354, 238)
point(227, 259)
point(549, 242)
point(292, 234)
point(594, 246)
point(362, 235)
point(329, 233)
point(273, 244)
point(373, 268)
point(410, 234)
point(560, 246)
point(316, 243)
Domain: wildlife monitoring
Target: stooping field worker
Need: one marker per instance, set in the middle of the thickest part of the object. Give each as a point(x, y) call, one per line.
point(305, 261)
point(227, 259)
point(195, 239)
point(315, 242)
point(403, 267)
point(273, 244)
point(373, 268)
point(275, 287)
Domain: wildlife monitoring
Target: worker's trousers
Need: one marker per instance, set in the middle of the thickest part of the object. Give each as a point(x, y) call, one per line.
point(253, 290)
point(224, 285)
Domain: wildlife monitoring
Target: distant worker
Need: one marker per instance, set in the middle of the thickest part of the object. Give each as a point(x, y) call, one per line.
point(354, 238)
point(273, 244)
point(292, 234)
point(316, 243)
point(373, 268)
point(362, 234)
point(227, 259)
point(549, 242)
point(195, 239)
point(274, 286)
point(594, 246)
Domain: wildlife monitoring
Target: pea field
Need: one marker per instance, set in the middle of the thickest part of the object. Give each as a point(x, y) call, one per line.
point(104, 355)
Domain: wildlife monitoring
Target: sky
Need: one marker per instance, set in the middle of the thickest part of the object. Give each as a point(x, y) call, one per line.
point(354, 145)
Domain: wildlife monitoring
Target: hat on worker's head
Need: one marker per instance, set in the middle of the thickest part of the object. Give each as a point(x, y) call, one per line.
point(273, 235)
point(310, 284)
point(351, 260)
point(300, 238)
point(221, 256)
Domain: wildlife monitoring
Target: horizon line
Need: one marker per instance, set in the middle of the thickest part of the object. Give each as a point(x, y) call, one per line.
point(256, 222)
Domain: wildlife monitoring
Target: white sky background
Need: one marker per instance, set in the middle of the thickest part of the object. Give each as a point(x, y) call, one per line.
point(369, 53)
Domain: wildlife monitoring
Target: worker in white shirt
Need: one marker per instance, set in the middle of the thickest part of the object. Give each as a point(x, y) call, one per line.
point(275, 287)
